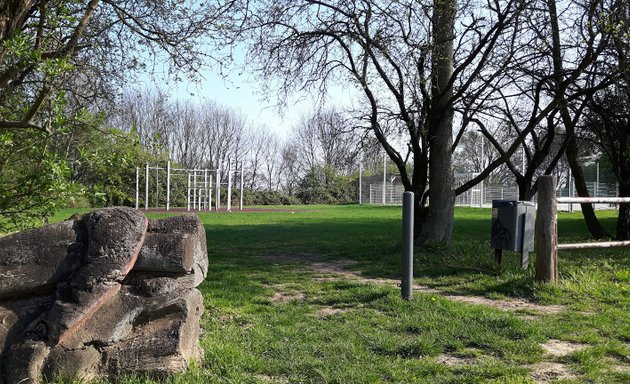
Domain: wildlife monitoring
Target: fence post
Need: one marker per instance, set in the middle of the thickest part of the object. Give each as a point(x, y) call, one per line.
point(546, 231)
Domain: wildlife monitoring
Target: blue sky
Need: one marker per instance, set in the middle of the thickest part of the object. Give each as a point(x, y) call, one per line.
point(243, 94)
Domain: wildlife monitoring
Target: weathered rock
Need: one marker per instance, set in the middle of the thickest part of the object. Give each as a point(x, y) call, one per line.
point(163, 341)
point(30, 264)
point(24, 362)
point(16, 315)
point(167, 252)
point(115, 236)
point(38, 259)
point(82, 364)
point(118, 298)
point(191, 226)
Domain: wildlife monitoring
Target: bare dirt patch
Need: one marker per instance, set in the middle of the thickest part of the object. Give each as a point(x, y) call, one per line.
point(328, 311)
point(560, 348)
point(339, 270)
point(547, 371)
point(452, 360)
point(286, 297)
point(271, 379)
point(505, 305)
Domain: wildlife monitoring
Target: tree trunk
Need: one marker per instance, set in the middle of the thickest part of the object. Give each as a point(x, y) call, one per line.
point(592, 223)
point(525, 190)
point(439, 218)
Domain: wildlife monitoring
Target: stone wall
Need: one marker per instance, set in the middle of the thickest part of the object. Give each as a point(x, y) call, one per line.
point(107, 294)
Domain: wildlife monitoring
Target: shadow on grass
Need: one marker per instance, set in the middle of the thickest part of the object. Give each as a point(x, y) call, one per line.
point(373, 244)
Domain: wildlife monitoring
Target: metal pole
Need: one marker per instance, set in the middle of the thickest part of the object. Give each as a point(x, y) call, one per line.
point(205, 186)
point(360, 183)
point(218, 200)
point(210, 193)
point(188, 194)
point(146, 188)
point(200, 198)
point(407, 246)
point(168, 185)
point(384, 177)
point(137, 187)
point(241, 200)
point(194, 205)
point(229, 188)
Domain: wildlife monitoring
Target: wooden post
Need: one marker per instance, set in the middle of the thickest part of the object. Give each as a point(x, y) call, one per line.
point(546, 231)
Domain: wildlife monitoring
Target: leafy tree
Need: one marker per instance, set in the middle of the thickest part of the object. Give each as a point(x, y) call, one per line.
point(59, 56)
point(103, 159)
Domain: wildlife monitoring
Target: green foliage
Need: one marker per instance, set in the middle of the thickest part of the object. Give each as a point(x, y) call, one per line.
point(265, 197)
point(33, 177)
point(322, 185)
point(104, 160)
point(33, 180)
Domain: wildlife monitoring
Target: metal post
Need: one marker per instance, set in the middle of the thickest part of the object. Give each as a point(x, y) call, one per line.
point(218, 200)
point(210, 193)
point(407, 246)
point(188, 194)
point(146, 188)
point(242, 179)
point(205, 187)
point(200, 197)
point(384, 176)
point(137, 187)
point(168, 185)
point(360, 183)
point(194, 189)
point(229, 188)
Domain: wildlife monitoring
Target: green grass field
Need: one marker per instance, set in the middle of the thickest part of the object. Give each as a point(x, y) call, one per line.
point(309, 296)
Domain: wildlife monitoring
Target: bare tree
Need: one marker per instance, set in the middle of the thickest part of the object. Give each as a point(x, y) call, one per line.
point(607, 113)
point(540, 88)
point(400, 56)
point(325, 138)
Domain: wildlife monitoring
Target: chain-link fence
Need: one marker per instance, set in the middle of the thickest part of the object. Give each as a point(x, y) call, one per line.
point(482, 196)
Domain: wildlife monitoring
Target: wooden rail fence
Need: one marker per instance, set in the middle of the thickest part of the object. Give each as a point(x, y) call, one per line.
point(546, 228)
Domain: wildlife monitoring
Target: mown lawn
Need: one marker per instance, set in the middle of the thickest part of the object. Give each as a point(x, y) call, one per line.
point(306, 296)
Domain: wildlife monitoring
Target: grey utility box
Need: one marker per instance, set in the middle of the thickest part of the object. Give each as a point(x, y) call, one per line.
point(513, 228)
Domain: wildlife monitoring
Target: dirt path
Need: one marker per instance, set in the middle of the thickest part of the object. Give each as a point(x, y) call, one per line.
point(340, 271)
point(550, 369)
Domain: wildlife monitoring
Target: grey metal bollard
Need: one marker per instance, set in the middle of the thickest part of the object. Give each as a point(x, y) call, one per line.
point(407, 246)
